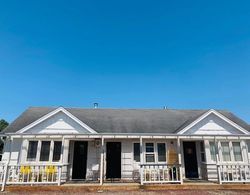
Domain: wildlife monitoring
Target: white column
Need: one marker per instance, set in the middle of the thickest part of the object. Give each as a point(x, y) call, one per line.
point(217, 160)
point(141, 161)
point(64, 157)
point(179, 158)
point(23, 151)
point(102, 162)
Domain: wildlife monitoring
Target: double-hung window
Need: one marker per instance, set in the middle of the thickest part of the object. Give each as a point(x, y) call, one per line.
point(32, 151)
point(225, 151)
point(150, 154)
point(237, 151)
point(212, 151)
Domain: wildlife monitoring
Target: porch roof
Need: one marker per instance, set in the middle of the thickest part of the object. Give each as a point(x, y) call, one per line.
point(166, 121)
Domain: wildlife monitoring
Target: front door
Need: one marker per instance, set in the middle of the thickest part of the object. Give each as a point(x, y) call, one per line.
point(190, 160)
point(80, 160)
point(113, 160)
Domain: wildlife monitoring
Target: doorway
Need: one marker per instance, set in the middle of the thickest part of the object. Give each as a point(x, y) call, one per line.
point(190, 160)
point(80, 160)
point(113, 160)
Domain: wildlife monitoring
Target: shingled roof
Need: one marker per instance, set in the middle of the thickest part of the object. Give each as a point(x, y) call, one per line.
point(124, 120)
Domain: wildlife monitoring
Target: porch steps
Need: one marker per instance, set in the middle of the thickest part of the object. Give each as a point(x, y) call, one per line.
point(77, 188)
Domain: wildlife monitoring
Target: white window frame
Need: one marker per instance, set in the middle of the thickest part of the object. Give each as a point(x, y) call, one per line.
point(154, 152)
point(230, 143)
point(38, 154)
point(156, 161)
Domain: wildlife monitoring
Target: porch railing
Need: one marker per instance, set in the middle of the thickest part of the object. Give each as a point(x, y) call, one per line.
point(31, 174)
point(233, 172)
point(161, 173)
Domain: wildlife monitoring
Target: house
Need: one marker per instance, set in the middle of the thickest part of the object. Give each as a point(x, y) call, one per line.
point(47, 145)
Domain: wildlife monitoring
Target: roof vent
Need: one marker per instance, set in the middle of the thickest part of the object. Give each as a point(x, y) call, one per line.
point(165, 107)
point(96, 105)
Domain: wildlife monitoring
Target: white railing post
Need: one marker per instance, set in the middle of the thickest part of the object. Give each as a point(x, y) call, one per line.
point(4, 177)
point(141, 162)
point(219, 174)
point(59, 174)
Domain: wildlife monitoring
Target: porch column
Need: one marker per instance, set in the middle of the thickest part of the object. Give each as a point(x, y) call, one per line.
point(64, 160)
point(179, 158)
point(102, 162)
point(141, 161)
point(217, 160)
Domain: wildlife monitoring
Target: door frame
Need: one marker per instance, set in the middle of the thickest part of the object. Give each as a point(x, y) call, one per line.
point(106, 156)
point(197, 158)
point(71, 159)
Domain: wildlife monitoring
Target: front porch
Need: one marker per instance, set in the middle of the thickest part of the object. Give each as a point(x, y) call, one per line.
point(146, 159)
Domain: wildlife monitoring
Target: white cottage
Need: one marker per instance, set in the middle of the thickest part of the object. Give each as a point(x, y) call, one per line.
point(47, 145)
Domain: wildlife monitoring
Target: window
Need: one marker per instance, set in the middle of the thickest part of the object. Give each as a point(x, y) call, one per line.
point(57, 151)
point(237, 151)
point(45, 150)
point(225, 151)
point(150, 155)
point(137, 152)
point(32, 151)
point(212, 151)
point(202, 152)
point(161, 149)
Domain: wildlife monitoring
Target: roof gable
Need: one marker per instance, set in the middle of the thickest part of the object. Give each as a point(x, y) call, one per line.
point(213, 122)
point(51, 114)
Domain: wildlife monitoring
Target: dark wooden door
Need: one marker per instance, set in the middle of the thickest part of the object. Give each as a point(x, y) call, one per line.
point(113, 160)
point(80, 160)
point(190, 160)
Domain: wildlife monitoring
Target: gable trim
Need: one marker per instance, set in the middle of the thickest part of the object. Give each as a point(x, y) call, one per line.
point(60, 109)
point(212, 111)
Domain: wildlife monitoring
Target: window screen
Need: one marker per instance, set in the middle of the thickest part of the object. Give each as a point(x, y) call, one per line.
point(161, 148)
point(32, 151)
point(57, 150)
point(137, 152)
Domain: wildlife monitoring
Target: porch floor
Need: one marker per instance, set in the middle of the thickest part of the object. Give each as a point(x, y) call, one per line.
point(134, 188)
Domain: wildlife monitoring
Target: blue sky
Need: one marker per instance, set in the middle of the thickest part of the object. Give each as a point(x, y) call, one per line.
point(125, 54)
